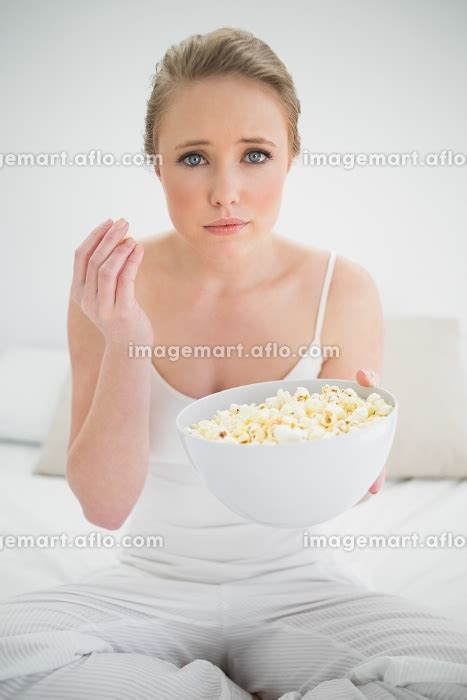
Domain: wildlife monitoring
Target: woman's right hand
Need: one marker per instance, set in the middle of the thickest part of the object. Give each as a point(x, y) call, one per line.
point(104, 272)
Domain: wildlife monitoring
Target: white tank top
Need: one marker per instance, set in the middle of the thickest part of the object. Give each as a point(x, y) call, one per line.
point(202, 539)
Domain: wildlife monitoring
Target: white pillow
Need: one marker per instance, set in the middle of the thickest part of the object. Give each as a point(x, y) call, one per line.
point(53, 456)
point(30, 381)
point(421, 367)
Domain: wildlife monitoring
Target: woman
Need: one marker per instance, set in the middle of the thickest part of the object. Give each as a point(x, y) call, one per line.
point(227, 608)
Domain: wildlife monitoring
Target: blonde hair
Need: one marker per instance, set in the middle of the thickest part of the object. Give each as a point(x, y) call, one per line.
point(224, 51)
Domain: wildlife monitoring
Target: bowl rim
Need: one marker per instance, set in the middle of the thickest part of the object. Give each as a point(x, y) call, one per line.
point(325, 380)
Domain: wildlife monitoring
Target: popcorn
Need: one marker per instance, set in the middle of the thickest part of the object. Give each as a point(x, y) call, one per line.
point(299, 418)
point(284, 433)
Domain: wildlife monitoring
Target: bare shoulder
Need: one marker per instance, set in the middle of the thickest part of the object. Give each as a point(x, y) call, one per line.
point(351, 277)
point(354, 321)
point(311, 262)
point(353, 316)
point(354, 298)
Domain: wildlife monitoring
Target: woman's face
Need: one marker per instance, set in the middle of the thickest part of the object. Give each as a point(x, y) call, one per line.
point(225, 177)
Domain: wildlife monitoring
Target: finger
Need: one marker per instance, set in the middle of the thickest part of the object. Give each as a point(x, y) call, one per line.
point(125, 295)
point(107, 275)
point(367, 377)
point(113, 236)
point(84, 251)
point(374, 488)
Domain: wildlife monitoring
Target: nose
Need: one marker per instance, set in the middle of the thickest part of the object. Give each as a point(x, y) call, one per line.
point(224, 190)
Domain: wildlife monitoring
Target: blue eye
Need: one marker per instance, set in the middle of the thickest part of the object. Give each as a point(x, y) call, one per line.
point(191, 155)
point(265, 153)
point(182, 159)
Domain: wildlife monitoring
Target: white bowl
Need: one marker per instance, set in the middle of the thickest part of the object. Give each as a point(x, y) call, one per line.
point(289, 484)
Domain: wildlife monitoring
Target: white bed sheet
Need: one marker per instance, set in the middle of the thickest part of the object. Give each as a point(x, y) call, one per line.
point(38, 505)
point(434, 577)
point(35, 504)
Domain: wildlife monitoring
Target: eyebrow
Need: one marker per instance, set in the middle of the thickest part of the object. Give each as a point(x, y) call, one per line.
point(253, 139)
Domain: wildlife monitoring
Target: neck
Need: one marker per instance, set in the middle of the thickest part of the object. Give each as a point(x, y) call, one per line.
point(229, 274)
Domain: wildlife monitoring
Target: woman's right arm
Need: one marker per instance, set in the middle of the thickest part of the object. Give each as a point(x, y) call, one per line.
point(108, 449)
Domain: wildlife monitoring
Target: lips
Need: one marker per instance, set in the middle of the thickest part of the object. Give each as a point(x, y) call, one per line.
point(225, 230)
point(230, 221)
point(226, 226)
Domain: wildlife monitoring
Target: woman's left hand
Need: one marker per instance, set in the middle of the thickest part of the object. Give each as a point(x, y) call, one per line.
point(370, 378)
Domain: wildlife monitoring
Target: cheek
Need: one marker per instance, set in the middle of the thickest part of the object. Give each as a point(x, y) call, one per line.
point(267, 191)
point(183, 194)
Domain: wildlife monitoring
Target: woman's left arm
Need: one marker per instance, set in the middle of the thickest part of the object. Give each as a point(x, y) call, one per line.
point(355, 320)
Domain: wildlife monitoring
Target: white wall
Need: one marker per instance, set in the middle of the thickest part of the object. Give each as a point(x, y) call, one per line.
point(371, 76)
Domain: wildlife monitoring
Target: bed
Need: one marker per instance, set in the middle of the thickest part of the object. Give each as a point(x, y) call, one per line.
point(427, 497)
point(38, 504)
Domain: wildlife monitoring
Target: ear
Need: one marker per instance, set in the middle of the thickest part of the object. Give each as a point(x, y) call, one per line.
point(157, 170)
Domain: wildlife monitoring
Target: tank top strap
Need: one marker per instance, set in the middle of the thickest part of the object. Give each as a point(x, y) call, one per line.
point(324, 297)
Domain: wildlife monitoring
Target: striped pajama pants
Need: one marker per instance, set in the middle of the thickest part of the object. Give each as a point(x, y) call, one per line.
point(123, 634)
